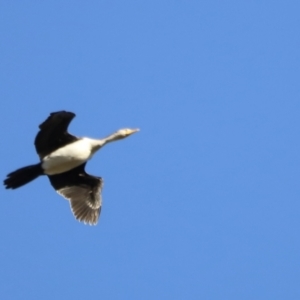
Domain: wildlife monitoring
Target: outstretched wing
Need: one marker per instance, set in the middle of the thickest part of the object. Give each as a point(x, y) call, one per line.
point(53, 133)
point(83, 191)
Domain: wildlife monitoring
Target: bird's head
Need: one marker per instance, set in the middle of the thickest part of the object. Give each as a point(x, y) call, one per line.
point(125, 132)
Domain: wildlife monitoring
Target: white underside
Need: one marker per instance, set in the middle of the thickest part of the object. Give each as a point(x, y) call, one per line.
point(68, 157)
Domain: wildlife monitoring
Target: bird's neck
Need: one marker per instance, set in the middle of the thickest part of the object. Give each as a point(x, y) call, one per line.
point(96, 144)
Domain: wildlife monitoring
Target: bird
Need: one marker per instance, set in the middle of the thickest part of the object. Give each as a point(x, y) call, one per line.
point(63, 158)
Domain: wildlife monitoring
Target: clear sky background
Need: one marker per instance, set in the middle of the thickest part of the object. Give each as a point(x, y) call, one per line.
point(202, 203)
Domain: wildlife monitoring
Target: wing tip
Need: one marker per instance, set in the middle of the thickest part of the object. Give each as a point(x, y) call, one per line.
point(63, 114)
point(90, 217)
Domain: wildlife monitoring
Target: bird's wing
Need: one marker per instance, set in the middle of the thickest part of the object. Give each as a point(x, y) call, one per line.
point(83, 191)
point(53, 133)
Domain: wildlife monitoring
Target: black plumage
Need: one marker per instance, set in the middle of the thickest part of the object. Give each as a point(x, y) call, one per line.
point(53, 133)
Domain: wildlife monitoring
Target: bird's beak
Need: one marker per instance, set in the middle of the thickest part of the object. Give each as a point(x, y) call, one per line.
point(131, 131)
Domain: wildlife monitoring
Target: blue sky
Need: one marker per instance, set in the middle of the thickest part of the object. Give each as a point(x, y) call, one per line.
point(202, 203)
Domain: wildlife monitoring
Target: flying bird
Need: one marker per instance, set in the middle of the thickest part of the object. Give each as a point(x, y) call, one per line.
point(63, 157)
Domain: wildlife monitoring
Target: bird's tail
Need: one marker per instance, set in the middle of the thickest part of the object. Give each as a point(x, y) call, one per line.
point(23, 176)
